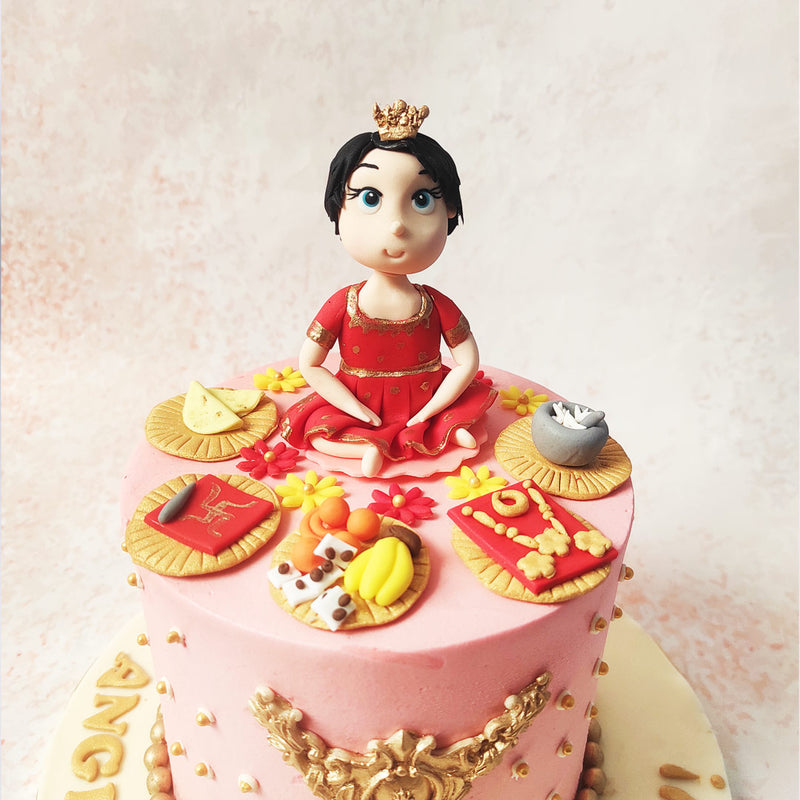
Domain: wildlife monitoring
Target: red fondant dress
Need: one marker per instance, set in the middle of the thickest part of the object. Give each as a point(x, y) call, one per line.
point(393, 367)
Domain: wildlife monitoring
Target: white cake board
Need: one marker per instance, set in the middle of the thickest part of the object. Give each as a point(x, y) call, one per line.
point(648, 712)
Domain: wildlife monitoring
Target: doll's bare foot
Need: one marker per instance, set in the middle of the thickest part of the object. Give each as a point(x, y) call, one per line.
point(371, 462)
point(463, 438)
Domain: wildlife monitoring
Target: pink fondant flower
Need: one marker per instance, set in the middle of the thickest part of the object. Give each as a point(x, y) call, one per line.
point(408, 506)
point(259, 460)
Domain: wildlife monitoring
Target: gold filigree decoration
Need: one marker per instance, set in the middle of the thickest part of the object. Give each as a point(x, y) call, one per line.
point(407, 764)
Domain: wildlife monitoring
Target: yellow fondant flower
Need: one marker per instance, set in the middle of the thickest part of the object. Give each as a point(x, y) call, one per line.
point(468, 484)
point(522, 402)
point(306, 494)
point(287, 380)
point(593, 541)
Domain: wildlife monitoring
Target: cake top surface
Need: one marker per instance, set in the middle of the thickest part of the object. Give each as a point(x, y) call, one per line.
point(454, 607)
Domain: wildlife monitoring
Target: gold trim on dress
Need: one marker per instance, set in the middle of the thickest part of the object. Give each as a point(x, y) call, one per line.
point(358, 319)
point(457, 334)
point(321, 335)
point(434, 365)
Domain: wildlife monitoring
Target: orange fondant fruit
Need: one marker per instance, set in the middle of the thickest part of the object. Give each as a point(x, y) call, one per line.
point(333, 511)
point(303, 552)
point(363, 524)
point(315, 524)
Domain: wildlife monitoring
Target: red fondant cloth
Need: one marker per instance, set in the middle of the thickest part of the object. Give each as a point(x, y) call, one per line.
point(216, 516)
point(507, 552)
point(371, 348)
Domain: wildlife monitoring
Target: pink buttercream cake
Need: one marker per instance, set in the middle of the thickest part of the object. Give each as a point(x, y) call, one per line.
point(443, 669)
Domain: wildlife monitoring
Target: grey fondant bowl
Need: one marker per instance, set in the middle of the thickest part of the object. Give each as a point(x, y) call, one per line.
point(566, 446)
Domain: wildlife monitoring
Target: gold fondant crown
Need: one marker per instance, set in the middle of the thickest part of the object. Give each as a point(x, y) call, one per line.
point(398, 121)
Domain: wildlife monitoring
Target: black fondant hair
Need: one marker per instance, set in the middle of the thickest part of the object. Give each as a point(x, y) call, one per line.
point(427, 151)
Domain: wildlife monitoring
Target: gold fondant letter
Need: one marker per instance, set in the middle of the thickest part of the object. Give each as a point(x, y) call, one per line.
point(117, 706)
point(125, 673)
point(84, 762)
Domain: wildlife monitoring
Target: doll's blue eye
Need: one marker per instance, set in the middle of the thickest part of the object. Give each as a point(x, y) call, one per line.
point(423, 201)
point(370, 200)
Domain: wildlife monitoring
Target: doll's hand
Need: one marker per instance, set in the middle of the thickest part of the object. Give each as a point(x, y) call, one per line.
point(368, 415)
point(417, 418)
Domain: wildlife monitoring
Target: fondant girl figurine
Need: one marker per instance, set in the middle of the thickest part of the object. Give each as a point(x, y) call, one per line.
point(393, 197)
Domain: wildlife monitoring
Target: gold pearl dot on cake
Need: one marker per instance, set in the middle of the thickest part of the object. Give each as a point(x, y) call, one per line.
point(617, 613)
point(124, 546)
point(520, 770)
point(565, 749)
point(163, 687)
point(474, 482)
point(204, 717)
point(174, 636)
point(203, 770)
point(398, 501)
point(269, 456)
point(554, 796)
point(600, 668)
point(308, 488)
point(142, 639)
point(133, 579)
point(591, 711)
point(598, 624)
point(626, 574)
point(565, 701)
point(176, 748)
point(247, 783)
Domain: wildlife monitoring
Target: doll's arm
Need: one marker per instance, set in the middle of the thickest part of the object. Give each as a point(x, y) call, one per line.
point(328, 386)
point(452, 387)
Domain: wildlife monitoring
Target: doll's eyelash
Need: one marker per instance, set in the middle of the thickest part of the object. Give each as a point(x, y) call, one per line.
point(351, 193)
point(436, 192)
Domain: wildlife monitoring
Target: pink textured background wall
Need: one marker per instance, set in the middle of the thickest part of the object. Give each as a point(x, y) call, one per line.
point(629, 173)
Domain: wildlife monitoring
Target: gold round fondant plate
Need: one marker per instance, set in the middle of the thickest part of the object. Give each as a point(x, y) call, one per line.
point(159, 553)
point(516, 452)
point(502, 582)
point(368, 614)
point(164, 429)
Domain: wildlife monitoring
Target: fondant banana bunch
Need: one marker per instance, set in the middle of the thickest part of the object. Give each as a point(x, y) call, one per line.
point(385, 571)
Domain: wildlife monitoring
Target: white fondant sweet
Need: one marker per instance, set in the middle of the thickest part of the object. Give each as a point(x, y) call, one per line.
point(334, 606)
point(307, 588)
point(282, 573)
point(335, 550)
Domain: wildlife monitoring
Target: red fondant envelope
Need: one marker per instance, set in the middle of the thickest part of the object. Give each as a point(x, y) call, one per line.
point(507, 553)
point(216, 516)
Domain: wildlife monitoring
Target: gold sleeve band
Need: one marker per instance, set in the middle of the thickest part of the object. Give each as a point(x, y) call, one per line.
point(323, 337)
point(458, 333)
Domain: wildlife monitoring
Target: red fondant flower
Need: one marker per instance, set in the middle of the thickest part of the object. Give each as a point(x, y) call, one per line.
point(482, 377)
point(408, 506)
point(259, 460)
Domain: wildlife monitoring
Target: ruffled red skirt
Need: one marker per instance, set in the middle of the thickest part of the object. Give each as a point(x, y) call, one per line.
point(395, 400)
